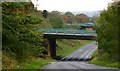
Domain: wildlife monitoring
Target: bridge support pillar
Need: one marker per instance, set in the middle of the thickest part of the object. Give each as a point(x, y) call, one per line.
point(52, 47)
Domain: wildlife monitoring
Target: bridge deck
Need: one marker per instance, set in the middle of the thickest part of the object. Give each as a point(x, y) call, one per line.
point(69, 33)
point(70, 36)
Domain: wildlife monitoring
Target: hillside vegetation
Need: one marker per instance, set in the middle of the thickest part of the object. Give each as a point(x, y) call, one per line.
point(107, 32)
point(20, 41)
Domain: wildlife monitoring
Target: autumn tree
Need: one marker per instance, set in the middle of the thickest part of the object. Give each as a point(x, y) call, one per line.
point(82, 18)
point(68, 17)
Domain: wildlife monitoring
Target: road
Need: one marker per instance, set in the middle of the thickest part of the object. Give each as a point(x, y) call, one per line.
point(82, 54)
point(78, 60)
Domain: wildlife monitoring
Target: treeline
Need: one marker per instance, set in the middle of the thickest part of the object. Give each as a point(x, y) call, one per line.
point(107, 33)
point(58, 19)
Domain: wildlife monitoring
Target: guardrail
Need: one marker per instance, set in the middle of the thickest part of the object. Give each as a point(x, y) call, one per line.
point(67, 31)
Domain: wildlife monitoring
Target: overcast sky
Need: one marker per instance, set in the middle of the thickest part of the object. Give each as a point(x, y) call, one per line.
point(71, 5)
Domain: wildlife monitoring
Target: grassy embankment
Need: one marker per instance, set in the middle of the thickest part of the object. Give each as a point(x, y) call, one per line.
point(37, 63)
point(65, 47)
point(103, 61)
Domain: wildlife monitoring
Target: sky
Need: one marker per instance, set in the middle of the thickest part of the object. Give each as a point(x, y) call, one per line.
point(71, 5)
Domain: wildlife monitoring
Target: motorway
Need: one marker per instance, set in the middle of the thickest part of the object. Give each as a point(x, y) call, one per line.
point(78, 60)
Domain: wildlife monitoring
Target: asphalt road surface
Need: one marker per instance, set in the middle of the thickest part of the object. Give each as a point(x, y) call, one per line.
point(82, 54)
point(78, 60)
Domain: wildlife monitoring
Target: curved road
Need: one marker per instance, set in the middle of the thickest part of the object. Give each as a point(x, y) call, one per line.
point(78, 60)
point(82, 54)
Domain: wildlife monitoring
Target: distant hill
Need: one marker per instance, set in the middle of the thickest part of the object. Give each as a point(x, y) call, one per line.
point(89, 13)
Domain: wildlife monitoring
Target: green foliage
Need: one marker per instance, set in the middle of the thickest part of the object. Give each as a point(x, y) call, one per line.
point(105, 63)
point(37, 63)
point(107, 31)
point(19, 38)
point(56, 20)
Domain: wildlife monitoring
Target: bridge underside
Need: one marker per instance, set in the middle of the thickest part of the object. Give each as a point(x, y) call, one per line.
point(52, 40)
point(76, 37)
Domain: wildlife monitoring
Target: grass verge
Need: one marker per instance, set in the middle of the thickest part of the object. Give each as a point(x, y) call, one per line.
point(103, 61)
point(35, 63)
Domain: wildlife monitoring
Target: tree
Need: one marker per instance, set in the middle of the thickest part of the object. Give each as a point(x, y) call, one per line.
point(68, 17)
point(56, 13)
point(107, 31)
point(19, 39)
point(45, 13)
point(55, 18)
point(82, 18)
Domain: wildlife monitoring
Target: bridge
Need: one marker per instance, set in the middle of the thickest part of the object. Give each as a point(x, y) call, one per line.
point(66, 33)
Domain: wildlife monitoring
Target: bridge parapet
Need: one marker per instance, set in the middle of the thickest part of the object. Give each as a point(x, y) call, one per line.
point(65, 31)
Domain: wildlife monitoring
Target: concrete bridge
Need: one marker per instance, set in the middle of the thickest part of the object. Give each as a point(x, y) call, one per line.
point(66, 33)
